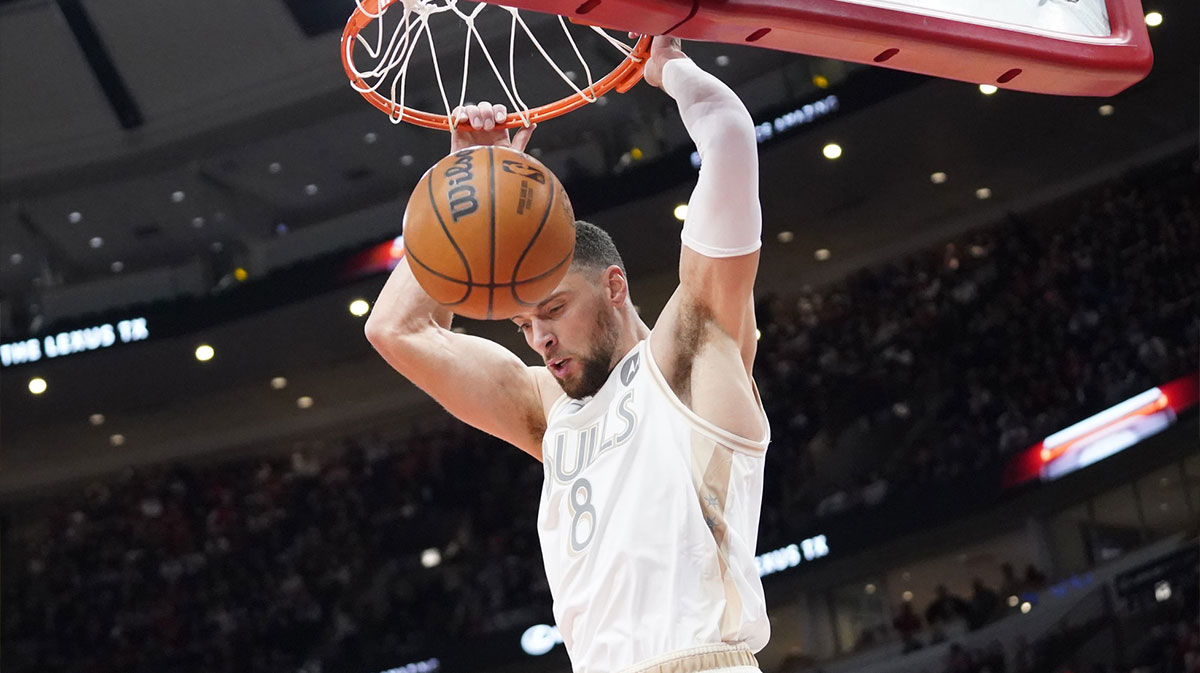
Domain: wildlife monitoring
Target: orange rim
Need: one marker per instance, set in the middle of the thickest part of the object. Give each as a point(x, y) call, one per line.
point(622, 78)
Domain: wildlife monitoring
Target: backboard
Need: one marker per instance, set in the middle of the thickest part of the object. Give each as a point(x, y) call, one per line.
point(1070, 47)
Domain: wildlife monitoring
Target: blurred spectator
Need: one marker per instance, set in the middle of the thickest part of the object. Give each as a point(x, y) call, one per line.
point(984, 605)
point(908, 625)
point(1034, 579)
point(875, 490)
point(796, 662)
point(946, 608)
point(1010, 584)
point(835, 503)
point(959, 660)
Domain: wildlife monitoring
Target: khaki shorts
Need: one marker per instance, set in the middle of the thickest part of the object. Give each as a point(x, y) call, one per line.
point(720, 657)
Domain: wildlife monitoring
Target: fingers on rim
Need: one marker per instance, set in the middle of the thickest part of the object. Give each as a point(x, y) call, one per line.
point(481, 115)
point(487, 115)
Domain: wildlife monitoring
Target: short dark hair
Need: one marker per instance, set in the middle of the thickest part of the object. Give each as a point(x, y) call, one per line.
point(594, 248)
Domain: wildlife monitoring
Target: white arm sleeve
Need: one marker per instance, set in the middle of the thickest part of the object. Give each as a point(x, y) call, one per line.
point(723, 216)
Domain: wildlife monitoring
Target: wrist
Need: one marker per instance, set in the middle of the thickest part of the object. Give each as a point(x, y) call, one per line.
point(674, 71)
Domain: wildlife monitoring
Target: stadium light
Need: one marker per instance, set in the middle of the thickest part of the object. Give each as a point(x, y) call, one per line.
point(37, 385)
point(1154, 19)
point(681, 212)
point(832, 151)
point(204, 352)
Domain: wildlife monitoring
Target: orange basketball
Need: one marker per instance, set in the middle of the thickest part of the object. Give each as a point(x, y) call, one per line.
point(489, 232)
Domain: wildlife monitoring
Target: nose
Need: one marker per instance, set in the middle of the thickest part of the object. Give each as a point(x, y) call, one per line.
point(543, 339)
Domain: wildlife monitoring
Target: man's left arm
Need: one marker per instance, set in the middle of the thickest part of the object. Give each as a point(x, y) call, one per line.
point(722, 232)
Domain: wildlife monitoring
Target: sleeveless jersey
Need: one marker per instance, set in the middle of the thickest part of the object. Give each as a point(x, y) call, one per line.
point(648, 523)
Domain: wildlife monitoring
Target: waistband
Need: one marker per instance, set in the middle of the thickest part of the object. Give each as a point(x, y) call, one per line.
point(697, 659)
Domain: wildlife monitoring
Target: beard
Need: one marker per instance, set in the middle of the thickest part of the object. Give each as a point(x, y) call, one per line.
point(596, 366)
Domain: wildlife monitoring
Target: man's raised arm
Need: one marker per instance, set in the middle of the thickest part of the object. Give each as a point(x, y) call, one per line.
point(480, 382)
point(723, 229)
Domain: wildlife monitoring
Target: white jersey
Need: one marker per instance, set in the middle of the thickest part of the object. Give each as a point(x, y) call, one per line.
point(648, 524)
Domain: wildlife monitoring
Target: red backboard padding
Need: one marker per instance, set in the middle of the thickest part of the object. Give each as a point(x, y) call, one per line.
point(894, 39)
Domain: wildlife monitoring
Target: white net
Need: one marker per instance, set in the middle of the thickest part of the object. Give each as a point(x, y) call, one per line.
point(385, 57)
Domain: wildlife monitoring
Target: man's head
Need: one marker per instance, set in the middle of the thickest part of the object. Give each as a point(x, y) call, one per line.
point(594, 249)
point(577, 329)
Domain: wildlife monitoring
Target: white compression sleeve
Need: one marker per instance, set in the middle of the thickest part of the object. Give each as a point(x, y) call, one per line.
point(724, 218)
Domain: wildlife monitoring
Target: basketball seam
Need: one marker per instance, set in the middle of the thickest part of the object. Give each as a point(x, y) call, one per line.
point(409, 253)
point(538, 277)
point(541, 225)
point(492, 201)
point(525, 281)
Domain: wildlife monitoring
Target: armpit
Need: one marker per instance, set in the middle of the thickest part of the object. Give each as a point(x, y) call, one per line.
point(696, 327)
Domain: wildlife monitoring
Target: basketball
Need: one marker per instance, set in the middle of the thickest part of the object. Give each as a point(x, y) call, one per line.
point(489, 232)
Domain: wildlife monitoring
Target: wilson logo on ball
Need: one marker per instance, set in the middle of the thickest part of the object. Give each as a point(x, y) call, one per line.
point(461, 195)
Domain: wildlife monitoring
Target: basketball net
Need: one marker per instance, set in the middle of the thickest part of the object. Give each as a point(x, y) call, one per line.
point(383, 79)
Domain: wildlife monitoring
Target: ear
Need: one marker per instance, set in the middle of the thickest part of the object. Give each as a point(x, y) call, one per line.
point(616, 286)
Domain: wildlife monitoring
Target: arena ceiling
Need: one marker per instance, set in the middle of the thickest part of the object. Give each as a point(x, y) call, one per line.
point(203, 136)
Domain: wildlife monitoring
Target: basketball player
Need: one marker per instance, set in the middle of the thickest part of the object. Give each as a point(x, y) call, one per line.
point(652, 440)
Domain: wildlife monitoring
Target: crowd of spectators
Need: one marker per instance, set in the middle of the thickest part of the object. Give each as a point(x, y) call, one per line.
point(1165, 638)
point(982, 607)
point(358, 557)
point(307, 563)
point(951, 360)
point(1171, 646)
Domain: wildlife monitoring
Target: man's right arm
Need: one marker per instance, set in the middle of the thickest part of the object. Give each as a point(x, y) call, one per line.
point(480, 382)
